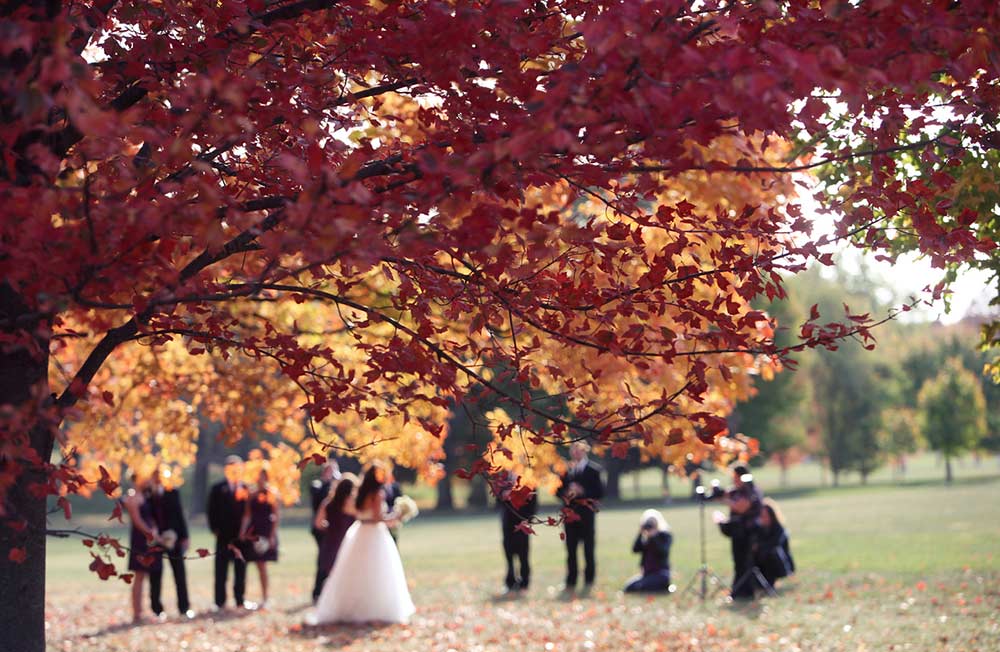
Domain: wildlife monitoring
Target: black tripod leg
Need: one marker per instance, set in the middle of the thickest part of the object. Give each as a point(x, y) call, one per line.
point(767, 586)
point(755, 573)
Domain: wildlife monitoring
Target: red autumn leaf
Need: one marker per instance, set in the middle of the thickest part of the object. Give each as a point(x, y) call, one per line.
point(618, 231)
point(519, 496)
point(106, 483)
point(103, 569)
point(17, 555)
point(116, 513)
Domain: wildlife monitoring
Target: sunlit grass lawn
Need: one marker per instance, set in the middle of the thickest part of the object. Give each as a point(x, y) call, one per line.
point(885, 568)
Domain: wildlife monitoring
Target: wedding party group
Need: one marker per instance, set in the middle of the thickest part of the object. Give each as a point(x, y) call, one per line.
point(354, 524)
point(359, 574)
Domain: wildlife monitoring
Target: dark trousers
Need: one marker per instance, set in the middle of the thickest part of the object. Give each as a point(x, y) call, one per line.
point(176, 559)
point(577, 533)
point(320, 581)
point(655, 582)
point(320, 575)
point(515, 545)
point(223, 557)
point(744, 582)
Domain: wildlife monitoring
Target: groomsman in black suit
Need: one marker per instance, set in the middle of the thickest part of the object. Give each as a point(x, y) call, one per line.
point(226, 507)
point(581, 489)
point(169, 516)
point(318, 491)
point(516, 543)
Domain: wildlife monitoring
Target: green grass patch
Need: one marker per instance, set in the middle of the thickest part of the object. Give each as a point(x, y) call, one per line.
point(912, 567)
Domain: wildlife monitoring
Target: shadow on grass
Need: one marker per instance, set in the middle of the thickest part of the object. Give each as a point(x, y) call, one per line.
point(338, 635)
point(210, 616)
point(297, 609)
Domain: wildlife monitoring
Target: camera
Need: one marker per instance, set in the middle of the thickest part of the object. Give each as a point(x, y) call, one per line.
point(713, 492)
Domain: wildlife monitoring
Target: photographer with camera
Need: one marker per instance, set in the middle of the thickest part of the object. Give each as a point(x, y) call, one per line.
point(745, 502)
point(653, 543)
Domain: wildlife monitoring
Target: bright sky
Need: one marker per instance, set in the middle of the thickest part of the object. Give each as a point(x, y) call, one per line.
point(910, 275)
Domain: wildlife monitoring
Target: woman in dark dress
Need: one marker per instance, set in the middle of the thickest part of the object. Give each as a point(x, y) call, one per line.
point(333, 518)
point(653, 543)
point(260, 530)
point(145, 554)
point(771, 552)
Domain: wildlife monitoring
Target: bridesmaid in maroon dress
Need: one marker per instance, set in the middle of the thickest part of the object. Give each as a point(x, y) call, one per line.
point(145, 555)
point(260, 530)
point(334, 516)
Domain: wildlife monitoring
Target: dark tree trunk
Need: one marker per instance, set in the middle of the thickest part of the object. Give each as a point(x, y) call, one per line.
point(479, 494)
point(445, 499)
point(947, 469)
point(24, 395)
point(203, 457)
point(836, 477)
point(613, 491)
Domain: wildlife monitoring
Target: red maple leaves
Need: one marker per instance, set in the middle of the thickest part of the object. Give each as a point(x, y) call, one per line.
point(587, 196)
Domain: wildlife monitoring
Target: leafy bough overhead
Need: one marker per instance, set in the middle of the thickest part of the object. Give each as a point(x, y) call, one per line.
point(361, 210)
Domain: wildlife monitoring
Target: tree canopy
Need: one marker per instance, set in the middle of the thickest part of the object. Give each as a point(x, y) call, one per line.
point(354, 210)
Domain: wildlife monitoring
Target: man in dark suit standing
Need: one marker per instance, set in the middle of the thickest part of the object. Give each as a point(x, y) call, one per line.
point(318, 491)
point(226, 506)
point(169, 517)
point(516, 544)
point(581, 490)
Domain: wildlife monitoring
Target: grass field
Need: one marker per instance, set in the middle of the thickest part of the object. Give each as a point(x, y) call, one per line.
point(913, 567)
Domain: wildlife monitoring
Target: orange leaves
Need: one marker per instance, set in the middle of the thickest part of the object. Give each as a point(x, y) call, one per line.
point(281, 462)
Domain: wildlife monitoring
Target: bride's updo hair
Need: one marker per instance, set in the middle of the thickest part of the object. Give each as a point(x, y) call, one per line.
point(371, 482)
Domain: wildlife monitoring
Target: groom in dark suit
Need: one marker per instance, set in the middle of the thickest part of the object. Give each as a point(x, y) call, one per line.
point(581, 489)
point(318, 491)
point(169, 515)
point(226, 506)
point(516, 543)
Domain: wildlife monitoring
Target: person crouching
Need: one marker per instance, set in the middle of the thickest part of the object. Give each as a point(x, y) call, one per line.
point(653, 543)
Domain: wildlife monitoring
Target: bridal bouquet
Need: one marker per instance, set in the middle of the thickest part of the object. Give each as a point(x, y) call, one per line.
point(405, 509)
point(168, 538)
point(261, 546)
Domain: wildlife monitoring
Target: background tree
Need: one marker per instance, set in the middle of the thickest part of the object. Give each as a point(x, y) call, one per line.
point(776, 414)
point(952, 412)
point(900, 436)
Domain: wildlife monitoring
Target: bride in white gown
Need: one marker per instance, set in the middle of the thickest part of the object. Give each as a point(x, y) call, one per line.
point(366, 583)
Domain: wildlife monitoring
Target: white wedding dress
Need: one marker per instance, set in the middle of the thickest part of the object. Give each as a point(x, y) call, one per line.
point(366, 583)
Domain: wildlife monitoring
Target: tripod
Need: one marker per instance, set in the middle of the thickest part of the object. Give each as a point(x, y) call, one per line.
point(704, 573)
point(756, 574)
